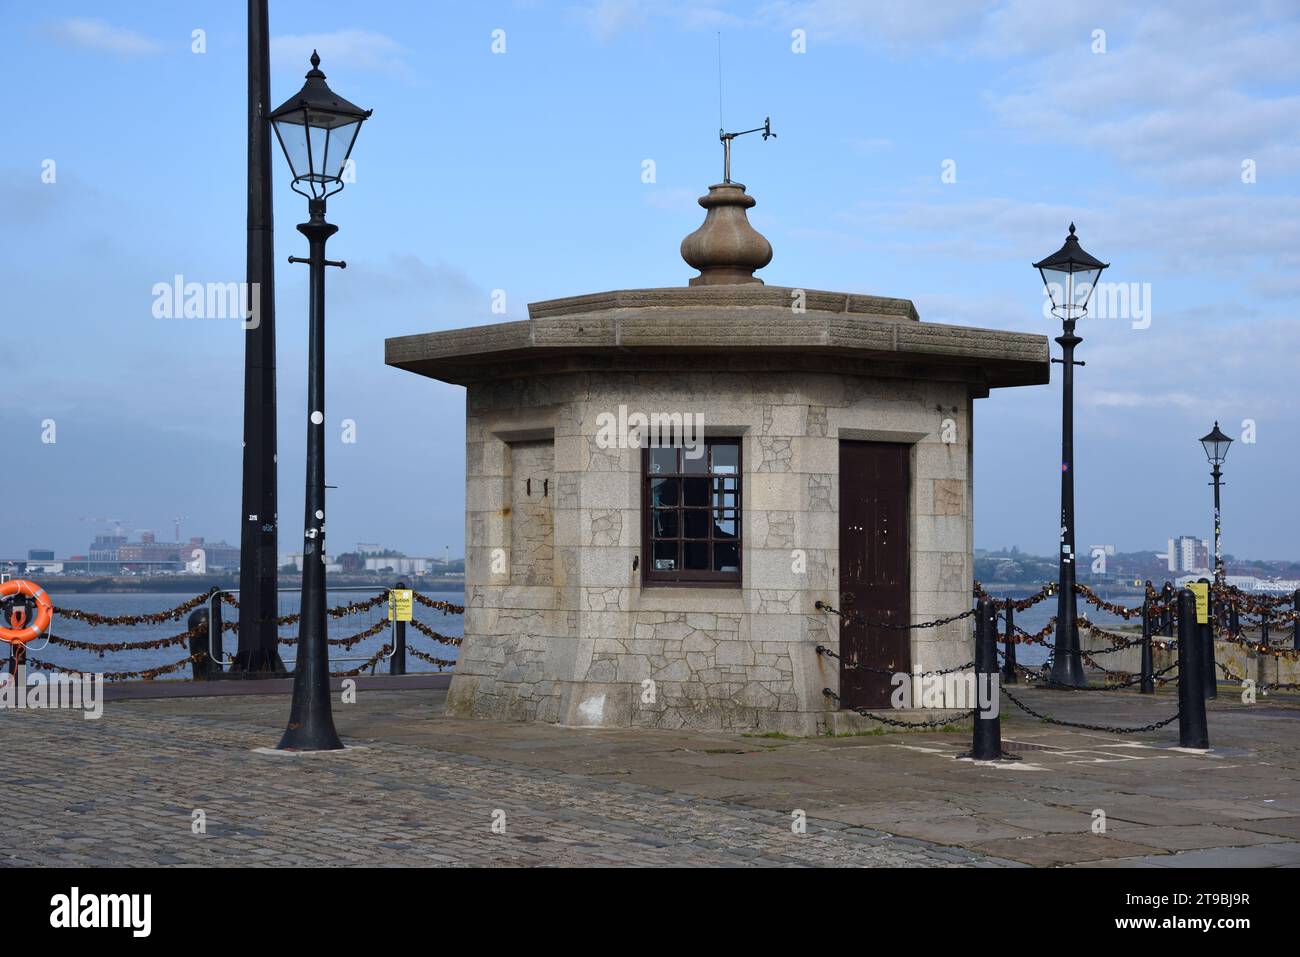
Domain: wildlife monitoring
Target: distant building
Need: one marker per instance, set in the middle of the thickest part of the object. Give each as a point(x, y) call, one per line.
point(403, 564)
point(201, 557)
point(105, 548)
point(1188, 554)
point(40, 554)
point(150, 556)
point(295, 559)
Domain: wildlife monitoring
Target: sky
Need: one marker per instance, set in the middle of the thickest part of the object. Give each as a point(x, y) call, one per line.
point(924, 151)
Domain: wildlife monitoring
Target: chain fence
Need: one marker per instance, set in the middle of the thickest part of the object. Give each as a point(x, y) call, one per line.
point(201, 632)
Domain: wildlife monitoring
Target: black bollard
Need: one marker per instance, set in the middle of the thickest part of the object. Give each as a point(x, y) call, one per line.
point(397, 664)
point(1263, 629)
point(201, 666)
point(986, 743)
point(1234, 621)
point(1009, 659)
point(1167, 598)
point(1192, 731)
point(1209, 680)
point(1295, 630)
point(1148, 684)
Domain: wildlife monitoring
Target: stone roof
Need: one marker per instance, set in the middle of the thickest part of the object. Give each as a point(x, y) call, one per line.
point(862, 334)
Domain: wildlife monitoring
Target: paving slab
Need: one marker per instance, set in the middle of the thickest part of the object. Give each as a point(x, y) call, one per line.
point(965, 831)
point(1053, 849)
point(1243, 810)
point(1259, 855)
point(1288, 827)
point(419, 788)
point(1183, 837)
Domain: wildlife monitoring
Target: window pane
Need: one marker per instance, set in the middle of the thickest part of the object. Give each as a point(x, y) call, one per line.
point(695, 460)
point(694, 523)
point(724, 493)
point(664, 492)
point(726, 557)
point(663, 523)
point(696, 491)
point(697, 523)
point(726, 458)
point(663, 461)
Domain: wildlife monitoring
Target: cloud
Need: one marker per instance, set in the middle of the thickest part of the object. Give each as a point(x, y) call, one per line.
point(608, 19)
point(674, 199)
point(1242, 234)
point(1184, 93)
point(411, 290)
point(354, 49)
point(880, 23)
point(1172, 101)
point(91, 34)
point(1146, 399)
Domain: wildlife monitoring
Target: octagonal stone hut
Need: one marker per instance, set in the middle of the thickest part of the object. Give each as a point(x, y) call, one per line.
point(807, 445)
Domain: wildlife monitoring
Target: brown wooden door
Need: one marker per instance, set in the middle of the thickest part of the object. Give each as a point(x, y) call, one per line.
point(874, 569)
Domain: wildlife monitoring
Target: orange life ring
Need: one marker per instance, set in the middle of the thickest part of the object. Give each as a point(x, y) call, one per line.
point(44, 611)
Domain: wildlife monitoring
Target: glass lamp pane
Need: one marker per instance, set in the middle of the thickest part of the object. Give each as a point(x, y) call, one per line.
point(337, 146)
point(293, 140)
point(1084, 281)
point(1054, 282)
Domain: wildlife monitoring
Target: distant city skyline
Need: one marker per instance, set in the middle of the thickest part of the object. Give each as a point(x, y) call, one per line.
point(930, 156)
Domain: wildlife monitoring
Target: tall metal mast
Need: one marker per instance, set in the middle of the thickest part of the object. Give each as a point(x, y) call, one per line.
point(258, 545)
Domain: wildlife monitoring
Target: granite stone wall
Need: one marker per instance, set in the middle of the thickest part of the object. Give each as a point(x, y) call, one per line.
point(558, 626)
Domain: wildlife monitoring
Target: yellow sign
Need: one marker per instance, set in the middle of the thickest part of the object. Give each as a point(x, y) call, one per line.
point(1202, 592)
point(399, 604)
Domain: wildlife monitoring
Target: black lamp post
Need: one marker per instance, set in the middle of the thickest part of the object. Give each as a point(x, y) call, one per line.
point(1070, 275)
point(1216, 450)
point(316, 129)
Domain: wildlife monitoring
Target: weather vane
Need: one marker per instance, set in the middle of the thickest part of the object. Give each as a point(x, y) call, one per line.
point(726, 138)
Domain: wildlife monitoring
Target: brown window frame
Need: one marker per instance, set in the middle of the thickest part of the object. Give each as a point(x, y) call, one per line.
point(700, 578)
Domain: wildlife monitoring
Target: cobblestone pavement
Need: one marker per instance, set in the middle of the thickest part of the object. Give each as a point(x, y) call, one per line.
point(123, 790)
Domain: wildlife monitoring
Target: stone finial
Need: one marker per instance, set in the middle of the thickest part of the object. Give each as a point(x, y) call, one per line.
point(726, 249)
